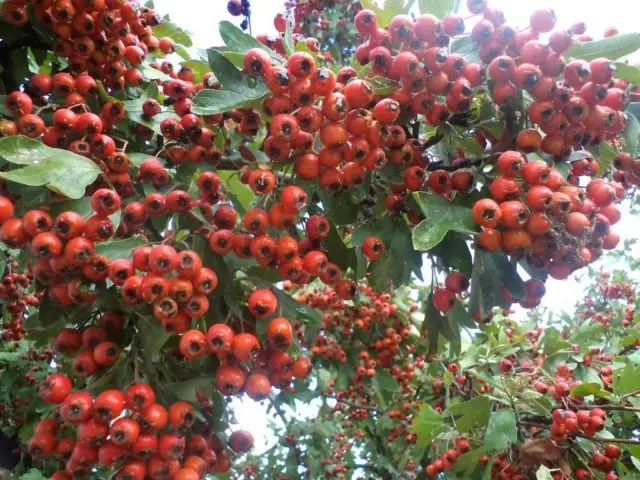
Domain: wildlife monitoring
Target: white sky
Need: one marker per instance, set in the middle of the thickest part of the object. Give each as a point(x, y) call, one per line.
point(201, 18)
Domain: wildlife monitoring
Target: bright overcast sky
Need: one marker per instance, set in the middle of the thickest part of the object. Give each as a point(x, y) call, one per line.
point(201, 18)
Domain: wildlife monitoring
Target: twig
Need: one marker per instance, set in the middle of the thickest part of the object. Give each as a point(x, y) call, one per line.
point(630, 441)
point(614, 407)
point(357, 405)
point(279, 411)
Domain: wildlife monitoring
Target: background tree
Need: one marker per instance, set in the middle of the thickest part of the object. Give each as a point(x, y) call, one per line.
point(180, 231)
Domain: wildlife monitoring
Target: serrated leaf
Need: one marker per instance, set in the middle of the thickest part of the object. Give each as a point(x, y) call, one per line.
point(289, 47)
point(383, 85)
point(238, 90)
point(630, 73)
point(631, 135)
point(491, 273)
point(238, 41)
point(59, 170)
point(543, 473)
point(427, 424)
point(152, 338)
point(502, 430)
point(169, 29)
point(611, 47)
point(186, 390)
point(121, 248)
point(471, 414)
point(628, 379)
point(441, 216)
point(385, 381)
point(439, 8)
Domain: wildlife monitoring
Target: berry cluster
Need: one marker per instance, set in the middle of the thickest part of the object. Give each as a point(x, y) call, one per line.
point(246, 365)
point(448, 459)
point(559, 225)
point(567, 423)
point(130, 431)
point(14, 291)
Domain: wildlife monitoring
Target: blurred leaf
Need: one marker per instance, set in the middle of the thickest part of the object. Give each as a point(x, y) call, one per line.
point(33, 474)
point(121, 248)
point(59, 170)
point(454, 253)
point(502, 430)
point(427, 424)
point(631, 135)
point(186, 390)
point(439, 8)
point(152, 338)
point(630, 73)
point(491, 273)
point(238, 41)
point(199, 67)
point(543, 473)
point(169, 29)
point(151, 73)
point(611, 47)
point(441, 216)
point(383, 85)
point(471, 414)
point(236, 91)
point(385, 381)
point(289, 47)
point(628, 379)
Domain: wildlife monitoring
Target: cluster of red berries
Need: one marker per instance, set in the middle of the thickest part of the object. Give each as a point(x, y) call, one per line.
point(444, 298)
point(502, 468)
point(13, 290)
point(560, 226)
point(106, 38)
point(91, 346)
point(129, 431)
point(448, 459)
point(246, 365)
point(567, 423)
point(627, 169)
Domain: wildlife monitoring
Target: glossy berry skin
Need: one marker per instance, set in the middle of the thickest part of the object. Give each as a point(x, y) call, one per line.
point(443, 299)
point(373, 248)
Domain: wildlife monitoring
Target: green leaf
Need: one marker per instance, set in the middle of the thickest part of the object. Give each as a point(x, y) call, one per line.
point(199, 67)
point(236, 92)
point(152, 338)
point(33, 474)
point(171, 30)
point(611, 47)
point(151, 73)
point(289, 47)
point(238, 192)
point(543, 473)
point(59, 170)
point(502, 430)
point(491, 273)
point(439, 8)
point(627, 72)
point(586, 389)
point(552, 342)
point(628, 379)
point(441, 216)
point(384, 380)
point(631, 135)
point(187, 390)
point(605, 157)
point(471, 414)
point(454, 253)
point(383, 85)
point(114, 249)
point(133, 111)
point(427, 424)
point(400, 259)
point(436, 324)
point(238, 41)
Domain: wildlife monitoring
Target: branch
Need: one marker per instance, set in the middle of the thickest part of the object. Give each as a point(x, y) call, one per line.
point(357, 405)
point(279, 411)
point(614, 407)
point(466, 163)
point(630, 441)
